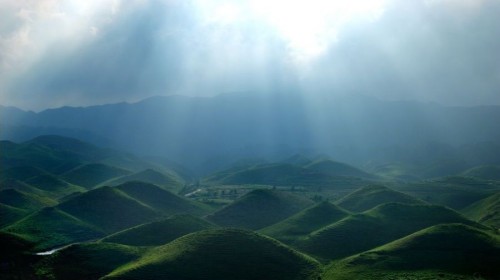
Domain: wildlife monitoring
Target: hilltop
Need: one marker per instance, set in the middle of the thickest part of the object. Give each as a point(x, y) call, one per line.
point(259, 208)
point(485, 211)
point(306, 221)
point(382, 224)
point(450, 251)
point(370, 196)
point(159, 232)
point(221, 254)
point(92, 174)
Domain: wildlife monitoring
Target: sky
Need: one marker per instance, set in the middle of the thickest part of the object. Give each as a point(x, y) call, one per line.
point(80, 53)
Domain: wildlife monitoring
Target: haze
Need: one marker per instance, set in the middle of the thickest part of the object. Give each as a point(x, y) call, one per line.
point(57, 53)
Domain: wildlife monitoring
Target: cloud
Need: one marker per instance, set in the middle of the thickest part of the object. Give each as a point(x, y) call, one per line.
point(56, 53)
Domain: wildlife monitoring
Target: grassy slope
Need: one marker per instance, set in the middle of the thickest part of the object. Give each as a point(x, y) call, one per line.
point(86, 261)
point(485, 211)
point(221, 254)
point(25, 201)
point(450, 251)
point(165, 180)
point(485, 172)
point(109, 209)
point(9, 214)
point(306, 221)
point(90, 175)
point(52, 227)
point(334, 168)
point(456, 192)
point(281, 174)
point(160, 199)
point(387, 222)
point(258, 209)
point(159, 232)
point(53, 186)
point(370, 196)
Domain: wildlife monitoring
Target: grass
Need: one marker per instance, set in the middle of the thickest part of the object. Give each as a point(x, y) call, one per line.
point(334, 168)
point(51, 228)
point(53, 185)
point(485, 172)
point(9, 214)
point(259, 208)
point(447, 251)
point(221, 254)
point(456, 192)
point(86, 261)
point(385, 223)
point(164, 180)
point(373, 195)
point(90, 175)
point(109, 209)
point(282, 174)
point(485, 211)
point(24, 201)
point(306, 221)
point(159, 232)
point(161, 200)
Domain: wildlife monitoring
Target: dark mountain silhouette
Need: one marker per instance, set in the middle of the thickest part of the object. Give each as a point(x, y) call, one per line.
point(224, 128)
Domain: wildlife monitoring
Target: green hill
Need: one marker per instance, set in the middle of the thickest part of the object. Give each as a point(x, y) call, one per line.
point(385, 223)
point(485, 172)
point(90, 175)
point(9, 214)
point(21, 173)
point(450, 251)
point(280, 174)
point(53, 186)
point(258, 209)
point(25, 201)
point(306, 221)
point(167, 181)
point(373, 195)
point(159, 232)
point(485, 211)
point(109, 209)
point(456, 192)
point(220, 254)
point(52, 227)
point(86, 261)
point(160, 199)
point(334, 168)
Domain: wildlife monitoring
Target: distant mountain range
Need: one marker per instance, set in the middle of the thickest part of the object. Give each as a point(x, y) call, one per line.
point(207, 134)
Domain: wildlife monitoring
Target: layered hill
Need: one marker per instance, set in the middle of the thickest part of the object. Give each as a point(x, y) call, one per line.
point(320, 174)
point(92, 174)
point(385, 223)
point(220, 254)
point(25, 201)
point(160, 199)
point(485, 172)
point(373, 195)
point(99, 212)
point(258, 209)
point(485, 211)
point(51, 227)
point(9, 214)
point(456, 192)
point(306, 221)
point(159, 232)
point(333, 168)
point(86, 261)
point(449, 251)
point(168, 181)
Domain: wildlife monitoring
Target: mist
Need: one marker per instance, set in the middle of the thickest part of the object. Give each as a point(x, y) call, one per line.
point(55, 54)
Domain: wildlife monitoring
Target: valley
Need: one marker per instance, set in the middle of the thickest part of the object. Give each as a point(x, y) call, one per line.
point(113, 215)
